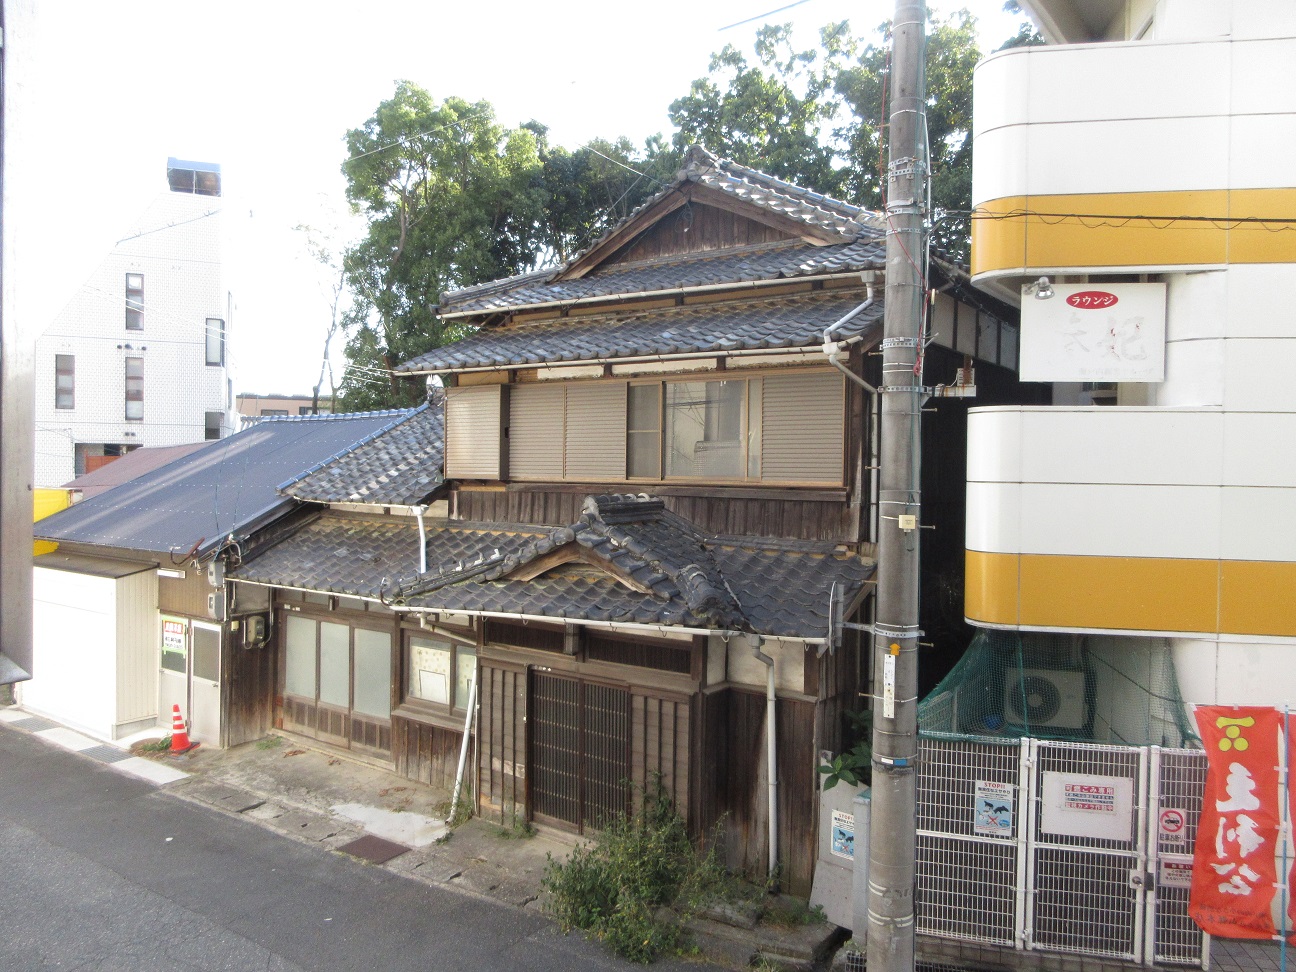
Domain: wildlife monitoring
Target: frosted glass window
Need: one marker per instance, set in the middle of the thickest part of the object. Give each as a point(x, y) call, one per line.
point(299, 675)
point(372, 673)
point(643, 432)
point(465, 661)
point(429, 670)
point(206, 653)
point(335, 664)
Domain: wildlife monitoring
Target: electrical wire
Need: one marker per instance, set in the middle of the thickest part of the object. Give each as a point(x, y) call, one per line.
point(769, 13)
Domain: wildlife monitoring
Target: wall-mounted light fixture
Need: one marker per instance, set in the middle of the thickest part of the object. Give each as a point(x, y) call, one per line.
point(1041, 288)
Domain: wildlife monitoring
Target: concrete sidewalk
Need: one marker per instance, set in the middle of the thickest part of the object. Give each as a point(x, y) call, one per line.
point(327, 798)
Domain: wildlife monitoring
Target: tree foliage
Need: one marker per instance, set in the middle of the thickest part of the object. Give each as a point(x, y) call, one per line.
point(451, 198)
point(817, 117)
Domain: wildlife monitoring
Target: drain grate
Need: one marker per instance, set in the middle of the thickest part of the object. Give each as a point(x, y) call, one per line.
point(34, 724)
point(376, 850)
point(106, 754)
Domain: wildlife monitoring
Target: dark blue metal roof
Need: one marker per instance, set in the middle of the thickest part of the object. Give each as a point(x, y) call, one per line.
point(227, 487)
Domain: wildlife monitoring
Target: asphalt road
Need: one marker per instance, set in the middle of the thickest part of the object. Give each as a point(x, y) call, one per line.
point(100, 871)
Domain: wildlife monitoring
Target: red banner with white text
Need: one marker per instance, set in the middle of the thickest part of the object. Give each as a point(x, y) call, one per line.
point(1238, 855)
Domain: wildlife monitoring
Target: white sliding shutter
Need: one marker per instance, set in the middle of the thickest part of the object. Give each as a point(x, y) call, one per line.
point(596, 431)
point(536, 431)
point(803, 428)
point(474, 432)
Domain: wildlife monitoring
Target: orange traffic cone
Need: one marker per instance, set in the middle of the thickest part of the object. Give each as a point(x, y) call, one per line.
point(179, 734)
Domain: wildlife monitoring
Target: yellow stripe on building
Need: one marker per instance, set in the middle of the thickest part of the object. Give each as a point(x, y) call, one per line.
point(1097, 230)
point(1131, 593)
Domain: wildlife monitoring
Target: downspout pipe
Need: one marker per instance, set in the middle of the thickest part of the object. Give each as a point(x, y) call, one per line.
point(418, 512)
point(755, 641)
point(467, 735)
point(833, 349)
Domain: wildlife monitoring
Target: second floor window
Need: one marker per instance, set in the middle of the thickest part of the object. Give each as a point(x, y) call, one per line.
point(64, 381)
point(134, 301)
point(215, 341)
point(135, 388)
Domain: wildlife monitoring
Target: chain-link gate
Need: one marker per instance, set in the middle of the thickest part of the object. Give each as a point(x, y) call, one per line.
point(1060, 846)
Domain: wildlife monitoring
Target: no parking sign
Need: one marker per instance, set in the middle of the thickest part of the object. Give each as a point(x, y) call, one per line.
point(1171, 825)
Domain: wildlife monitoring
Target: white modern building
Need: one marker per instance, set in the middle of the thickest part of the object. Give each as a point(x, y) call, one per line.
point(1142, 162)
point(140, 354)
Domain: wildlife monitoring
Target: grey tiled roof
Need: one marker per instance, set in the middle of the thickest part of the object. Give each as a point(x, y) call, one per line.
point(226, 487)
point(861, 245)
point(397, 465)
point(779, 261)
point(788, 322)
point(634, 562)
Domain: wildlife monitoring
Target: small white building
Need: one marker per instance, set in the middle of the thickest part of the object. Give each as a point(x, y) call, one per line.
point(140, 354)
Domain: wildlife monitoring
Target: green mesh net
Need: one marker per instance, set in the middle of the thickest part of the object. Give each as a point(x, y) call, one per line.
point(1083, 688)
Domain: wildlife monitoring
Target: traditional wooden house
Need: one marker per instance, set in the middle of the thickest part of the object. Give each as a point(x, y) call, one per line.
point(660, 460)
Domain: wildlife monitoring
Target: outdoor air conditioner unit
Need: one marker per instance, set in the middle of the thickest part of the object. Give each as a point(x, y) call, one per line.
point(1045, 698)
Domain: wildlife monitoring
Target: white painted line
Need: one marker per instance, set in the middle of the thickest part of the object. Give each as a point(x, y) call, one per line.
point(68, 739)
point(147, 769)
point(12, 714)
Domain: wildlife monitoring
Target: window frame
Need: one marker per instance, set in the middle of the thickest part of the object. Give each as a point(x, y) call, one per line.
point(208, 428)
point(457, 645)
point(318, 618)
point(220, 342)
point(134, 388)
point(134, 301)
point(70, 373)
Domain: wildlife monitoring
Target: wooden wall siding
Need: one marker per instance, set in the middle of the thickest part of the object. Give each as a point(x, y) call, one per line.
point(734, 785)
point(474, 430)
point(697, 227)
point(426, 753)
point(802, 424)
point(501, 736)
point(804, 519)
point(535, 635)
point(336, 728)
point(536, 427)
point(248, 689)
point(660, 657)
point(660, 747)
point(187, 596)
point(596, 431)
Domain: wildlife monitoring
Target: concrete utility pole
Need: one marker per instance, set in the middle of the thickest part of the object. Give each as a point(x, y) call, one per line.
point(892, 840)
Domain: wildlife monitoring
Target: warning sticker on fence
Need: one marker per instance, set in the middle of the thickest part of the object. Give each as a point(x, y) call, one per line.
point(843, 834)
point(1083, 805)
point(994, 809)
point(1171, 824)
point(1175, 871)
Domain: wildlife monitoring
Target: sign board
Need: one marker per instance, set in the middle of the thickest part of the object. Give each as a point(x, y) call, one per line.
point(1175, 871)
point(993, 815)
point(843, 834)
point(174, 642)
point(1080, 805)
point(1094, 332)
point(1171, 825)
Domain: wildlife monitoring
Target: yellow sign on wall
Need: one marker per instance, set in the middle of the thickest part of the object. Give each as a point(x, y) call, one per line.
point(46, 502)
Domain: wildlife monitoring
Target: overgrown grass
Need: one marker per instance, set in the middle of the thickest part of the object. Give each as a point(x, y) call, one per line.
point(269, 742)
point(637, 882)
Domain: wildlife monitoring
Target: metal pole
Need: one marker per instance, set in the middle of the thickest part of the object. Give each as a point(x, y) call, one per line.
point(17, 422)
point(892, 841)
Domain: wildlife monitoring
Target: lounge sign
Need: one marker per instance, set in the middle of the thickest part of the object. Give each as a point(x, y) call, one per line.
point(1094, 332)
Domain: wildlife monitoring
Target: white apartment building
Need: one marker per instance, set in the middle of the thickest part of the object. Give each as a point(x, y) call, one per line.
point(140, 355)
point(1147, 144)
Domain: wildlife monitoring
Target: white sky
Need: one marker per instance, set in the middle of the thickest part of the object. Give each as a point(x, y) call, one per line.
point(107, 91)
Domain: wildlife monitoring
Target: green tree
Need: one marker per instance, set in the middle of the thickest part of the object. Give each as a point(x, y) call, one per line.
point(772, 115)
point(818, 117)
point(590, 188)
point(452, 198)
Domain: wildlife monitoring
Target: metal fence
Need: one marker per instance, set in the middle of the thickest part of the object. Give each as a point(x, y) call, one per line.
point(1060, 846)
